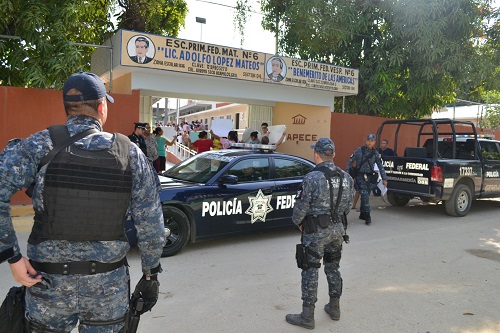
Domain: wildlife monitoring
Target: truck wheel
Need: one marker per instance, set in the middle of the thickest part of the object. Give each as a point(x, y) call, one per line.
point(460, 201)
point(397, 200)
point(178, 225)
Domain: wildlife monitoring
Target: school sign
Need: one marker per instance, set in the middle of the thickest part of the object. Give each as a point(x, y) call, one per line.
point(172, 54)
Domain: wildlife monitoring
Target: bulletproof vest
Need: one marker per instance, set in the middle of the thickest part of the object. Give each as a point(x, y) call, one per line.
point(86, 195)
point(329, 174)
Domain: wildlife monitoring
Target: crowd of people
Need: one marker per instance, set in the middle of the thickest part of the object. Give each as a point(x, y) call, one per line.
point(153, 144)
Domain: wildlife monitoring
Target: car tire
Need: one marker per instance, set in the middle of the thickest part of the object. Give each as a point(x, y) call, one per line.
point(397, 200)
point(460, 201)
point(178, 223)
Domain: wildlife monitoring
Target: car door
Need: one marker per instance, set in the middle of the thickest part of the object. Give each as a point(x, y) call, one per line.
point(246, 205)
point(288, 175)
point(490, 152)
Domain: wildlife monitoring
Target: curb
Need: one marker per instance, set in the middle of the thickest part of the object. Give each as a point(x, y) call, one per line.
point(21, 210)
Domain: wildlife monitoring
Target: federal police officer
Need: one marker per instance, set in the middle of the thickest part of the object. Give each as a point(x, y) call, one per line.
point(320, 213)
point(363, 171)
point(76, 269)
point(138, 138)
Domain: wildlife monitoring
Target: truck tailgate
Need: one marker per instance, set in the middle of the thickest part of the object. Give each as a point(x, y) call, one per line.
point(409, 175)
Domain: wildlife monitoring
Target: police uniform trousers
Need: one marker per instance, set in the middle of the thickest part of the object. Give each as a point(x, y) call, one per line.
point(85, 298)
point(326, 243)
point(363, 187)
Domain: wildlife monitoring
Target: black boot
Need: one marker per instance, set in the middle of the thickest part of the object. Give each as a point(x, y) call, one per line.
point(304, 319)
point(362, 216)
point(333, 308)
point(368, 219)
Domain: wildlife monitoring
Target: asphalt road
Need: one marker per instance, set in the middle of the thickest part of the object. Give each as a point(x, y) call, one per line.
point(415, 269)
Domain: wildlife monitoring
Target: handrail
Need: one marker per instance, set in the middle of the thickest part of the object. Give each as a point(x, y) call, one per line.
point(181, 151)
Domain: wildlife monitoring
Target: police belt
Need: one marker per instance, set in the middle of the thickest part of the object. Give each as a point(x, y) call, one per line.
point(318, 218)
point(312, 222)
point(77, 267)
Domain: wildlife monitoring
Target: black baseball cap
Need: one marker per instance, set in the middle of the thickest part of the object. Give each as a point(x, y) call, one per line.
point(140, 125)
point(89, 84)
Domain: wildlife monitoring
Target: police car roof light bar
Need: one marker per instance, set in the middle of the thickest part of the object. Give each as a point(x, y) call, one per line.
point(253, 146)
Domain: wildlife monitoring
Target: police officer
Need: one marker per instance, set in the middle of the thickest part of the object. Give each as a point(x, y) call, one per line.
point(137, 137)
point(363, 171)
point(76, 269)
point(320, 213)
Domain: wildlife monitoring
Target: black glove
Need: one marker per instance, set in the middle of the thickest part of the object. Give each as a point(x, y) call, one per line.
point(147, 290)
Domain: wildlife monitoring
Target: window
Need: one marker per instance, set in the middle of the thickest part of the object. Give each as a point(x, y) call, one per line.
point(286, 168)
point(198, 169)
point(489, 149)
point(252, 169)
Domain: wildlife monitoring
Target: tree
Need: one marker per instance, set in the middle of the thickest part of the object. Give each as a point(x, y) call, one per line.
point(492, 116)
point(483, 79)
point(240, 17)
point(410, 53)
point(42, 53)
point(162, 17)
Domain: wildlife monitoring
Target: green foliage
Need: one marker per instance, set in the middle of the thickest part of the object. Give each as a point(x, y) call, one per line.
point(492, 117)
point(484, 67)
point(162, 17)
point(44, 54)
point(410, 53)
point(240, 17)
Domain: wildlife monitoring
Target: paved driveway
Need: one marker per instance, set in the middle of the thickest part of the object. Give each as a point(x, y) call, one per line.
point(415, 269)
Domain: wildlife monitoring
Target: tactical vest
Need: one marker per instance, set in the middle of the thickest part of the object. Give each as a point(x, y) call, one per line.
point(329, 174)
point(86, 195)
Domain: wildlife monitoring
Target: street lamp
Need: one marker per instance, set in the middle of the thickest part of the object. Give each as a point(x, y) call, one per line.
point(201, 21)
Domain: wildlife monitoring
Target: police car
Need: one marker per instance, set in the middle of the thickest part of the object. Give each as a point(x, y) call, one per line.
point(228, 192)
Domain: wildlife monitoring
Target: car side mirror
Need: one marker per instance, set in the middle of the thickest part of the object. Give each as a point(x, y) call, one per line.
point(228, 179)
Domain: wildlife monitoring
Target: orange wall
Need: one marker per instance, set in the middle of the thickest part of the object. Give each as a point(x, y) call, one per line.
point(349, 131)
point(24, 111)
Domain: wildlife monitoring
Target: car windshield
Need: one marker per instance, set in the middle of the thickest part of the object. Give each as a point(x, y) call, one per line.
point(199, 168)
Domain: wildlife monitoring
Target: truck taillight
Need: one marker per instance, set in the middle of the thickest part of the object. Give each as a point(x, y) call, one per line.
point(436, 174)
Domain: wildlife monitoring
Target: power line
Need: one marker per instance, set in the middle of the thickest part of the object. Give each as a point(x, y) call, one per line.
point(229, 6)
point(288, 20)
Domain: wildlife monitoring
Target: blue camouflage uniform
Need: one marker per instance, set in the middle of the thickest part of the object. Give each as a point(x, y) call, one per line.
point(314, 199)
point(362, 179)
point(69, 298)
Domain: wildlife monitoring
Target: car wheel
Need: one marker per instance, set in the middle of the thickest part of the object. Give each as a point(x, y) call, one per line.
point(397, 200)
point(178, 225)
point(460, 201)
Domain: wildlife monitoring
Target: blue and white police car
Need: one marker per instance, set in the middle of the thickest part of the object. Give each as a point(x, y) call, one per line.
point(228, 192)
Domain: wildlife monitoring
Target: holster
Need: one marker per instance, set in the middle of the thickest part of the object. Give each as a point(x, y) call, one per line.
point(309, 225)
point(302, 255)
